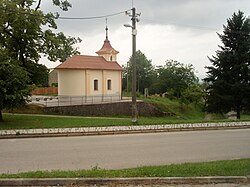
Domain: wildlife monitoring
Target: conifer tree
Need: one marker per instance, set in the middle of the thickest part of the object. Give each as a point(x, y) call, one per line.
point(229, 76)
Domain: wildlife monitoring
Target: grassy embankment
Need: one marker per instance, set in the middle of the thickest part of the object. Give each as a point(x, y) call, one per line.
point(216, 168)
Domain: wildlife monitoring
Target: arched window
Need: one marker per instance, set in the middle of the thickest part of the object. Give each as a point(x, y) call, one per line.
point(109, 84)
point(95, 84)
point(111, 58)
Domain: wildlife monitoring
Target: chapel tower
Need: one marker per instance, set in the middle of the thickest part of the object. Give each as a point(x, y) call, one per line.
point(107, 51)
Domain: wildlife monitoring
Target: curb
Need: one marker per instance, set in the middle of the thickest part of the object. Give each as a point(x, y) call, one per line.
point(119, 132)
point(124, 181)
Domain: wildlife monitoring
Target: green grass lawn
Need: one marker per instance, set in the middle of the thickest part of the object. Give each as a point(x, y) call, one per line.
point(216, 168)
point(25, 121)
point(15, 121)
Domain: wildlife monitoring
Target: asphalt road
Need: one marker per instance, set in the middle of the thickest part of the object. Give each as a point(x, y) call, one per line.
point(122, 151)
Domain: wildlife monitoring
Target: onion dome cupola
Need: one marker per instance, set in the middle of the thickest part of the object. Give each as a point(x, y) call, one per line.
point(107, 51)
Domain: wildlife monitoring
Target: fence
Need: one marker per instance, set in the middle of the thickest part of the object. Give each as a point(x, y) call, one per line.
point(73, 100)
point(45, 90)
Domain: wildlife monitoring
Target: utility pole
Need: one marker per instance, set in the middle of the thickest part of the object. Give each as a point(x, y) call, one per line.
point(127, 76)
point(134, 32)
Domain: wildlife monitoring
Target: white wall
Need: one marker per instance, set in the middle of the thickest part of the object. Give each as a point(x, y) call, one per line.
point(115, 77)
point(71, 82)
point(95, 75)
point(107, 56)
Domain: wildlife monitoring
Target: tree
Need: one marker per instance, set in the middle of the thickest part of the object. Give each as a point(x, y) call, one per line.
point(193, 94)
point(38, 73)
point(228, 78)
point(175, 77)
point(26, 33)
point(13, 83)
point(144, 70)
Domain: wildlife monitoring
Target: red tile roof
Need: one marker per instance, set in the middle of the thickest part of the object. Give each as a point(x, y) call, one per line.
point(107, 48)
point(89, 62)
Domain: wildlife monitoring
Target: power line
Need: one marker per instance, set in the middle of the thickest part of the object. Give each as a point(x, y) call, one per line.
point(183, 25)
point(196, 27)
point(69, 18)
point(93, 17)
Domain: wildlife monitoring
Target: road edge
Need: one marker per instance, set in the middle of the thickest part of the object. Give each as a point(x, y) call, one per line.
point(125, 181)
point(120, 132)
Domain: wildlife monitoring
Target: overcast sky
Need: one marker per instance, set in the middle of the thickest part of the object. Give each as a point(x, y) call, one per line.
point(182, 30)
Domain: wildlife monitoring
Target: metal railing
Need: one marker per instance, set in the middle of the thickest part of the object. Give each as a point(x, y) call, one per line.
point(51, 101)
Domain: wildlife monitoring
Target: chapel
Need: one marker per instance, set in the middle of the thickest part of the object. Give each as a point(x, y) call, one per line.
point(98, 76)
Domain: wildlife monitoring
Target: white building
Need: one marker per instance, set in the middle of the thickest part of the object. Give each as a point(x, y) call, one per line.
point(91, 76)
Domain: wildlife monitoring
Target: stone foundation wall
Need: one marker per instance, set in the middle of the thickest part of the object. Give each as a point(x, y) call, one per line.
point(106, 109)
